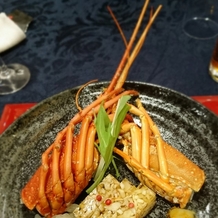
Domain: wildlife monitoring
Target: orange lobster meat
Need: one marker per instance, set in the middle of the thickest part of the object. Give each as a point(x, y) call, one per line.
point(69, 163)
point(155, 163)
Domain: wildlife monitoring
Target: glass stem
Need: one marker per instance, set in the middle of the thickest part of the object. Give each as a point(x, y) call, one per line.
point(3, 65)
point(3, 69)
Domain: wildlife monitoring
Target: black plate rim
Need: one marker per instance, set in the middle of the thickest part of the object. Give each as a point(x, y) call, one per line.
point(103, 83)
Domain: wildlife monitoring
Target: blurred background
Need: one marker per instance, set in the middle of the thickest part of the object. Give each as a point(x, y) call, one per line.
point(70, 42)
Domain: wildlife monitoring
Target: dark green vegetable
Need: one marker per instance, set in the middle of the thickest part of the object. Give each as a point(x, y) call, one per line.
point(107, 134)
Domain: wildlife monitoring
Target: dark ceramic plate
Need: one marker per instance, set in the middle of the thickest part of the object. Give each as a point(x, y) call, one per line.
point(183, 123)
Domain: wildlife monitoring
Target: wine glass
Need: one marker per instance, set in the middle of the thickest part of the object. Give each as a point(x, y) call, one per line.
point(201, 19)
point(13, 77)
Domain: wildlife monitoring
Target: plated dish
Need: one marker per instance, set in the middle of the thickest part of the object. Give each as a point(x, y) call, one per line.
point(183, 123)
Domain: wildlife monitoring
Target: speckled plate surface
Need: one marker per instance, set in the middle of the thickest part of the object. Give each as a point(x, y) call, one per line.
point(183, 123)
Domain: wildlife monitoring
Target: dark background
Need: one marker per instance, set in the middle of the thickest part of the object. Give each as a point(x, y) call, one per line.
point(71, 42)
